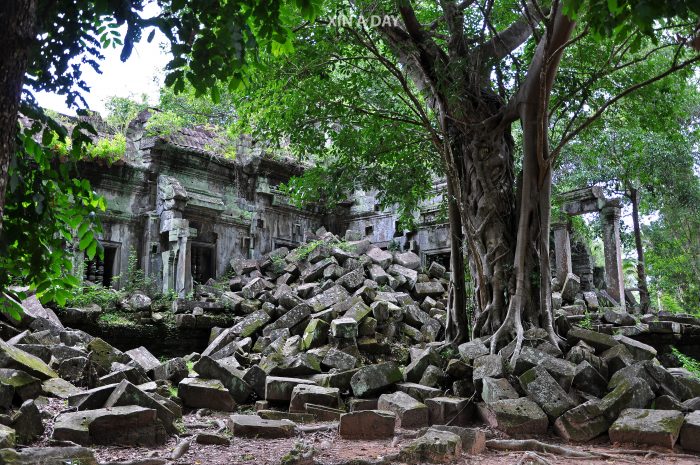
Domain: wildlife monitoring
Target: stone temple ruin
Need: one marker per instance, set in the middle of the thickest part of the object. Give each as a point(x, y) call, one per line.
point(319, 345)
point(186, 210)
point(612, 287)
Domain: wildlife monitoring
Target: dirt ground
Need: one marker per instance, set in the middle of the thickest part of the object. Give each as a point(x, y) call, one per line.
point(329, 449)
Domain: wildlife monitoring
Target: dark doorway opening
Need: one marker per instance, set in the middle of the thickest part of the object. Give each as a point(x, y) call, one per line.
point(202, 263)
point(442, 258)
point(101, 270)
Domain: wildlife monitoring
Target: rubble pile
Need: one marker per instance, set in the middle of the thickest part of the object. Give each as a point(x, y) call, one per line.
point(341, 331)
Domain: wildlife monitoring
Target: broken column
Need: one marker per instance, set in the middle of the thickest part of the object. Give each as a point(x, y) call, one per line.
point(171, 202)
point(614, 280)
point(562, 250)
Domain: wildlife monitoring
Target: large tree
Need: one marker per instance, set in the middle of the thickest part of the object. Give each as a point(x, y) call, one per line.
point(46, 45)
point(463, 73)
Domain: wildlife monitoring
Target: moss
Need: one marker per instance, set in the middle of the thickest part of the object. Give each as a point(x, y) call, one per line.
point(115, 319)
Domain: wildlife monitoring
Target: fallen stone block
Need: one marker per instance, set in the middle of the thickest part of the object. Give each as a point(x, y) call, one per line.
point(583, 423)
point(690, 432)
point(252, 426)
point(514, 416)
point(375, 379)
point(129, 425)
point(434, 446)
point(279, 389)
point(127, 394)
point(367, 424)
point(12, 357)
point(456, 411)
point(205, 393)
point(650, 427)
point(7, 436)
point(494, 389)
point(546, 392)
point(48, 456)
point(308, 393)
point(409, 412)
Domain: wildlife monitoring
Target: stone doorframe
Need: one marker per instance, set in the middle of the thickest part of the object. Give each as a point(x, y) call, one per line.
point(592, 200)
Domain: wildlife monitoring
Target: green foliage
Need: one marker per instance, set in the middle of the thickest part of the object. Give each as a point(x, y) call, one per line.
point(135, 279)
point(116, 319)
point(278, 264)
point(87, 293)
point(586, 322)
point(689, 363)
point(46, 208)
point(122, 110)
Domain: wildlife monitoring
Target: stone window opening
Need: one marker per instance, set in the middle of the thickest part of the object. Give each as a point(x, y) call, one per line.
point(102, 270)
point(369, 230)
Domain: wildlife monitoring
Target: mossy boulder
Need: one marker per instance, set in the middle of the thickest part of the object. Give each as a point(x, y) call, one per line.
point(649, 427)
point(12, 357)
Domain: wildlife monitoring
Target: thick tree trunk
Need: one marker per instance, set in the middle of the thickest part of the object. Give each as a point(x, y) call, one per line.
point(641, 268)
point(17, 26)
point(481, 163)
point(457, 330)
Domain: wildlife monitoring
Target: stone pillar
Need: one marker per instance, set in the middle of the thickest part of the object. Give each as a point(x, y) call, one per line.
point(614, 279)
point(562, 250)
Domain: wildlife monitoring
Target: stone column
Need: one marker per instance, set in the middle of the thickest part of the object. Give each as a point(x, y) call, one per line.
point(562, 250)
point(614, 279)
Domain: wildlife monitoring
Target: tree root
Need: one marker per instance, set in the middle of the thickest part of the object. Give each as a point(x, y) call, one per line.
point(533, 445)
point(532, 458)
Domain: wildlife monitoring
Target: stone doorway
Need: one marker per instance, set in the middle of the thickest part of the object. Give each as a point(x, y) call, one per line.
point(203, 264)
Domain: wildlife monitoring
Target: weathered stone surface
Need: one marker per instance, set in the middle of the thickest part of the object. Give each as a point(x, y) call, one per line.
point(252, 426)
point(251, 323)
point(617, 358)
point(409, 412)
point(436, 270)
point(27, 422)
point(599, 341)
point(583, 423)
point(414, 370)
point(18, 383)
point(227, 373)
point(279, 389)
point(143, 358)
point(493, 389)
point(374, 379)
point(338, 359)
point(473, 439)
point(434, 446)
point(587, 379)
point(48, 456)
point(127, 394)
point(690, 432)
point(344, 328)
point(380, 257)
point(290, 319)
point(639, 350)
point(12, 357)
point(7, 437)
point(103, 354)
point(561, 370)
point(315, 334)
point(173, 370)
point(456, 411)
point(311, 394)
point(546, 392)
point(650, 427)
point(570, 288)
point(57, 387)
point(418, 391)
point(407, 259)
point(430, 288)
point(129, 425)
point(92, 398)
point(469, 351)
point(212, 439)
point(514, 416)
point(205, 393)
point(490, 366)
point(367, 424)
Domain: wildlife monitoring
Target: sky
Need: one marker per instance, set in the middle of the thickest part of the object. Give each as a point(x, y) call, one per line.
point(140, 74)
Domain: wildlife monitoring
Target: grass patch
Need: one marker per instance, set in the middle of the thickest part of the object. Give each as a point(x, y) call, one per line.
point(687, 362)
point(115, 319)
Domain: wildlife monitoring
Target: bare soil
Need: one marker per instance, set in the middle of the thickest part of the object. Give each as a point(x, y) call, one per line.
point(330, 449)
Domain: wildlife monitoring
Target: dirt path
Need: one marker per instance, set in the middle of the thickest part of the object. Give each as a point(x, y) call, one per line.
point(330, 449)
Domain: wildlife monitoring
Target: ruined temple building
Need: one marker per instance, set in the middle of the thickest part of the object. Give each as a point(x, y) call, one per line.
point(185, 208)
point(186, 204)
